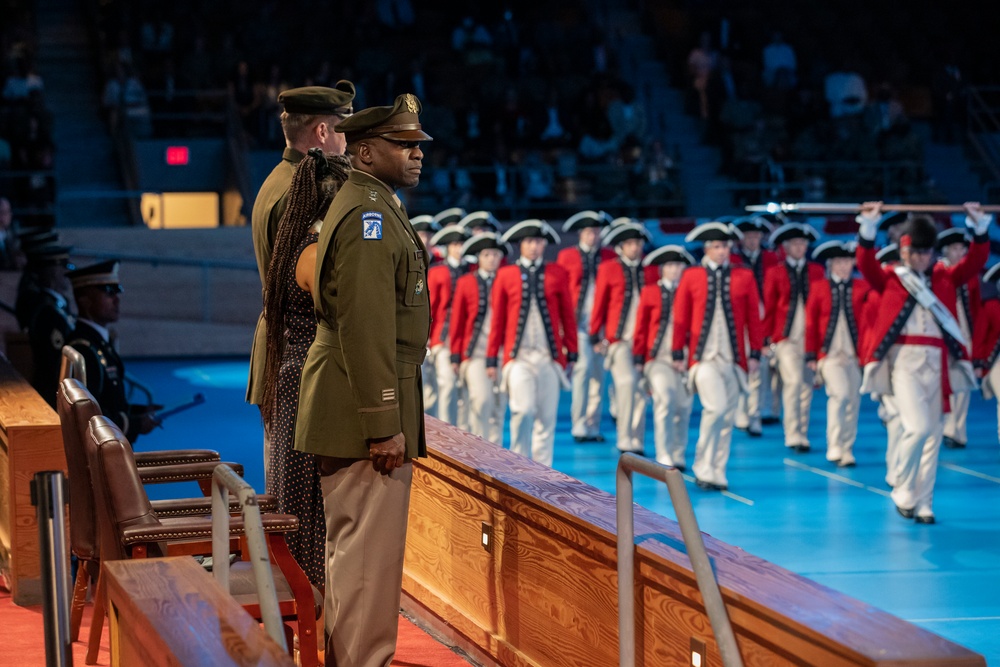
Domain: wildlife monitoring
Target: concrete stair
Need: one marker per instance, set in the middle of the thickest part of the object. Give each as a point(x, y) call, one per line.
point(85, 162)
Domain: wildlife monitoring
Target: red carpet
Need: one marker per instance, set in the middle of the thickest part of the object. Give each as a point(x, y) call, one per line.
point(23, 642)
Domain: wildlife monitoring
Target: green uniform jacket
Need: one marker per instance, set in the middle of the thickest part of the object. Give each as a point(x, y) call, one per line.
point(270, 205)
point(361, 378)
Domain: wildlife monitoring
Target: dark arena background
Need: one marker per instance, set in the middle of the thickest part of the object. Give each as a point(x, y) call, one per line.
point(142, 131)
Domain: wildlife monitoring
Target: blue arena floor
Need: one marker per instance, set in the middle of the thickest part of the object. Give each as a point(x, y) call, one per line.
point(835, 526)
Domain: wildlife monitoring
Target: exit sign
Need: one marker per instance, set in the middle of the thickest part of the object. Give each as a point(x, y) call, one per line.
point(177, 155)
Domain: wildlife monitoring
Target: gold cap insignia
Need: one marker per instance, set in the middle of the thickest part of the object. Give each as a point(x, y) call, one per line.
point(411, 103)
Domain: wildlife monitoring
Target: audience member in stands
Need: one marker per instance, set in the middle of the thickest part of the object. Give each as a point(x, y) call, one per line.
point(701, 62)
point(21, 82)
point(8, 237)
point(50, 323)
point(360, 406)
point(846, 93)
point(308, 121)
point(96, 289)
point(780, 63)
point(124, 98)
point(291, 329)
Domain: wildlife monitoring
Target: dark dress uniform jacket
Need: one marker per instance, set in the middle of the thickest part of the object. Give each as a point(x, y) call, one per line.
point(105, 376)
point(270, 205)
point(361, 379)
point(50, 328)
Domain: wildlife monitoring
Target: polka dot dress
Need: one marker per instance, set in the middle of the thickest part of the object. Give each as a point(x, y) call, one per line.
point(293, 478)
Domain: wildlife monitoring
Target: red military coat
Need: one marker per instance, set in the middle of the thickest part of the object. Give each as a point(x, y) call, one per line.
point(944, 281)
point(609, 298)
point(468, 309)
point(440, 284)
point(974, 300)
point(650, 327)
point(986, 335)
point(571, 260)
point(778, 296)
point(818, 310)
point(508, 322)
point(691, 316)
point(765, 260)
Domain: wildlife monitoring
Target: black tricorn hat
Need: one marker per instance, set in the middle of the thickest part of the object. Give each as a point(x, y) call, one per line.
point(919, 232)
point(485, 241)
point(952, 235)
point(992, 274)
point(888, 254)
point(834, 249)
point(480, 219)
point(578, 221)
point(668, 253)
point(624, 232)
point(450, 234)
point(532, 228)
point(400, 122)
point(424, 223)
point(320, 100)
point(893, 218)
point(713, 231)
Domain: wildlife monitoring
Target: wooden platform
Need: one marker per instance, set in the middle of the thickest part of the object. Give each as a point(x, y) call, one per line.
point(544, 590)
point(30, 442)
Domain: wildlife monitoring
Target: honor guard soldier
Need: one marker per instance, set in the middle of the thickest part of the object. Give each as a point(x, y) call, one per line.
point(441, 281)
point(534, 324)
point(953, 244)
point(96, 289)
point(986, 343)
point(471, 323)
point(360, 403)
point(716, 318)
point(28, 284)
point(425, 227)
point(51, 323)
point(892, 224)
point(308, 120)
point(834, 315)
point(582, 263)
point(612, 328)
point(654, 332)
point(912, 339)
point(786, 290)
point(755, 406)
point(480, 222)
point(449, 216)
point(888, 257)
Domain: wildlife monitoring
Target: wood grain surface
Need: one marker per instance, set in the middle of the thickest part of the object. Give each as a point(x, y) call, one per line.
point(546, 593)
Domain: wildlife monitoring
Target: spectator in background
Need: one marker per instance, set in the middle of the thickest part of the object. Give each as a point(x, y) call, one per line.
point(21, 82)
point(8, 236)
point(947, 89)
point(779, 61)
point(701, 62)
point(846, 93)
point(124, 98)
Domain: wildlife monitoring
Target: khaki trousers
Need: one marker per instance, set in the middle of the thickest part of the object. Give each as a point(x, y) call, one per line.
point(718, 390)
point(588, 380)
point(630, 402)
point(533, 389)
point(366, 515)
point(842, 378)
point(796, 391)
point(487, 404)
point(671, 412)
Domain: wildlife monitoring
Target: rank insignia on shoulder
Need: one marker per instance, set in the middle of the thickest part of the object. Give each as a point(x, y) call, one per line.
point(371, 222)
point(419, 287)
point(372, 194)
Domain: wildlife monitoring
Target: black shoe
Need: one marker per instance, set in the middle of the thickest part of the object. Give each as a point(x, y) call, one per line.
point(906, 514)
point(925, 519)
point(754, 432)
point(769, 420)
point(709, 486)
point(595, 438)
point(681, 468)
point(951, 443)
point(801, 448)
point(579, 438)
point(845, 464)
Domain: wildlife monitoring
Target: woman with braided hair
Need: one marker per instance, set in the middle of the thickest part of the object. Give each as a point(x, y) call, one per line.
point(291, 328)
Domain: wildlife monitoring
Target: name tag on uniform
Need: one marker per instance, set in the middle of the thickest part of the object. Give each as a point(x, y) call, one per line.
point(371, 222)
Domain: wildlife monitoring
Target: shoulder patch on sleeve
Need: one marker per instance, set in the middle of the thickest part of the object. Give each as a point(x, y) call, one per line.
point(371, 222)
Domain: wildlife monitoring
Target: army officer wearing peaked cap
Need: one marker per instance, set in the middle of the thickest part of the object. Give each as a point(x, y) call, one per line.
point(360, 402)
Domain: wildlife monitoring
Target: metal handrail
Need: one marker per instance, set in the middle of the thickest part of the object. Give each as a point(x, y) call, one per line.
point(48, 494)
point(702, 566)
point(225, 480)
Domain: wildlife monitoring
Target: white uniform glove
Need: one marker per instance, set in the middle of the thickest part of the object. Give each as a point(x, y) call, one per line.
point(869, 226)
point(980, 223)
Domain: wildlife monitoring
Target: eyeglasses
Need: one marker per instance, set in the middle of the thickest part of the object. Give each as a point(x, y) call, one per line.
point(405, 145)
point(110, 289)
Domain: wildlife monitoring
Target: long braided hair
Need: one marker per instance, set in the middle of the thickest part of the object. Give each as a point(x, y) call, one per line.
point(317, 179)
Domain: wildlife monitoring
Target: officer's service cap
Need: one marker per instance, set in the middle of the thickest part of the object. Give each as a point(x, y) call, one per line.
point(96, 275)
point(793, 230)
point(37, 237)
point(400, 122)
point(753, 223)
point(450, 234)
point(485, 241)
point(952, 235)
point(668, 253)
point(992, 274)
point(319, 100)
point(888, 254)
point(478, 219)
point(449, 216)
point(624, 232)
point(48, 253)
point(533, 228)
point(893, 218)
point(583, 219)
point(713, 231)
point(834, 249)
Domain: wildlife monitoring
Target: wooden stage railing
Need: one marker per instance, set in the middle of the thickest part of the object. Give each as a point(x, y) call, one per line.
point(543, 589)
point(30, 442)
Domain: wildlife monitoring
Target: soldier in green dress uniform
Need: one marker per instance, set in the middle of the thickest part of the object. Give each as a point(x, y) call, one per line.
point(360, 402)
point(309, 118)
